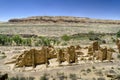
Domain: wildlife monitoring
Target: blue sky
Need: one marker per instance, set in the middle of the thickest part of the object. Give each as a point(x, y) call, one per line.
point(103, 9)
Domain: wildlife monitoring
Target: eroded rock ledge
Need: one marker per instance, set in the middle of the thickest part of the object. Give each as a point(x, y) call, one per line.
point(61, 20)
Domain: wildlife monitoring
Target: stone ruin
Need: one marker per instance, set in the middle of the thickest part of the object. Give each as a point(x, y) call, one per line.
point(103, 54)
point(100, 53)
point(34, 57)
point(95, 46)
point(78, 50)
point(70, 54)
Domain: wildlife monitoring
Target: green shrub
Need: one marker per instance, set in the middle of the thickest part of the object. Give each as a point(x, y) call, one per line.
point(118, 77)
point(99, 73)
point(73, 76)
point(118, 56)
point(93, 67)
point(94, 37)
point(65, 37)
point(61, 75)
point(84, 74)
point(103, 68)
point(88, 70)
point(19, 78)
point(113, 39)
point(91, 33)
point(83, 70)
point(101, 78)
point(27, 42)
point(13, 78)
point(31, 78)
point(118, 68)
point(17, 39)
point(5, 40)
point(112, 67)
point(22, 78)
point(93, 78)
point(55, 41)
point(44, 41)
point(64, 44)
point(118, 34)
point(44, 77)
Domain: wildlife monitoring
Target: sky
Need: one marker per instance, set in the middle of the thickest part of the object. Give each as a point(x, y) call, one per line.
point(102, 9)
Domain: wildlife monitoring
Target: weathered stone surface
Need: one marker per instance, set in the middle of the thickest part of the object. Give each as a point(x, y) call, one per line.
point(103, 54)
point(31, 58)
point(71, 56)
point(100, 53)
point(95, 46)
point(60, 56)
point(68, 55)
point(34, 57)
point(109, 55)
point(51, 52)
point(111, 50)
point(90, 50)
point(78, 50)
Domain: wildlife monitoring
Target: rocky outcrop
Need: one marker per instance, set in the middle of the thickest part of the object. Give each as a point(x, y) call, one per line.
point(61, 20)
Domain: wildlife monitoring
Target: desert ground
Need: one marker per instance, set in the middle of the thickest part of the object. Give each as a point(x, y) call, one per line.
point(83, 70)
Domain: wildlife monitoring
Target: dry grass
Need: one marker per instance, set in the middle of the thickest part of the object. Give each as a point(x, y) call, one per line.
point(50, 30)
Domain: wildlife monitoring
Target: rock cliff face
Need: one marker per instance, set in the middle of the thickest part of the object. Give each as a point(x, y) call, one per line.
point(61, 20)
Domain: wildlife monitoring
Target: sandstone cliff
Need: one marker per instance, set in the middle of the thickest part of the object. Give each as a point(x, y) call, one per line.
point(61, 20)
